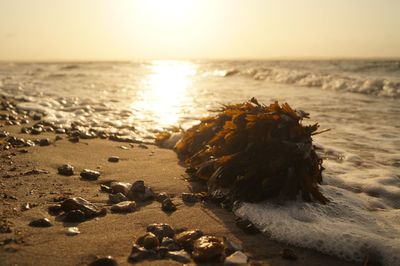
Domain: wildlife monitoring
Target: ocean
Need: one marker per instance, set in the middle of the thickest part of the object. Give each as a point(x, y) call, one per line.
point(359, 100)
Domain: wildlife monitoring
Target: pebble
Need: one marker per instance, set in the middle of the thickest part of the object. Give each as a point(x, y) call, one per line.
point(187, 238)
point(90, 174)
point(57, 138)
point(106, 261)
point(237, 258)
point(44, 142)
point(59, 131)
point(25, 130)
point(168, 206)
point(148, 241)
point(189, 197)
point(105, 188)
point(138, 187)
point(120, 187)
point(162, 196)
point(170, 244)
point(74, 139)
point(113, 159)
point(124, 207)
point(35, 172)
point(75, 216)
point(42, 222)
point(231, 247)
point(247, 226)
point(288, 254)
point(55, 209)
point(179, 256)
point(4, 134)
point(73, 231)
point(208, 249)
point(36, 130)
point(36, 117)
point(161, 230)
point(139, 254)
point(78, 203)
point(66, 170)
point(117, 198)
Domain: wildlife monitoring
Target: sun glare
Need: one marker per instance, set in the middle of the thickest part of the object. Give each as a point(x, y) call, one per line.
point(164, 91)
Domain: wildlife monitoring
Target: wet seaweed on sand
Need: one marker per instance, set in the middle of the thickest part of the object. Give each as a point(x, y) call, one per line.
point(253, 152)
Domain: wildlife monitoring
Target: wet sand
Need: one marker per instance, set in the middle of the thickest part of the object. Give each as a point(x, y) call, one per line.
point(112, 234)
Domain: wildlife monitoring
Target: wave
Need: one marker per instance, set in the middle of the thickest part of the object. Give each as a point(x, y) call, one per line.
point(371, 86)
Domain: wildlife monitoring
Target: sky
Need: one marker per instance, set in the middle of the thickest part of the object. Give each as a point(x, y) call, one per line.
point(52, 30)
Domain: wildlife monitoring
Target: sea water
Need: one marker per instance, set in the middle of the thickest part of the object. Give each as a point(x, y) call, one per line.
point(358, 100)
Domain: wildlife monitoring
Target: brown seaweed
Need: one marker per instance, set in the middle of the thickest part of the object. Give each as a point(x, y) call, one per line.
point(254, 152)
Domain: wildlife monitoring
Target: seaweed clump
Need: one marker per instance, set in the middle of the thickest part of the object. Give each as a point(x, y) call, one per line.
point(252, 152)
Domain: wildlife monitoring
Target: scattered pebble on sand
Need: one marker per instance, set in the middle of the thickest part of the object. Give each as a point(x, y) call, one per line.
point(42, 222)
point(113, 159)
point(106, 261)
point(72, 231)
point(124, 207)
point(66, 170)
point(168, 206)
point(90, 174)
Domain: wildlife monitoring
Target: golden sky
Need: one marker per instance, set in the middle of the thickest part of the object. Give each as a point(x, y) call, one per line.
point(205, 29)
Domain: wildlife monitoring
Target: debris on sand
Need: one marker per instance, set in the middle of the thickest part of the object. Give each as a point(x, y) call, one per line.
point(252, 152)
point(66, 170)
point(90, 174)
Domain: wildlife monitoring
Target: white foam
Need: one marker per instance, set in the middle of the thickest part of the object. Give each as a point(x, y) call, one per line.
point(345, 227)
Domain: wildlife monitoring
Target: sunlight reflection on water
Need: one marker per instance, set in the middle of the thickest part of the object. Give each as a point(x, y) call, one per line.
point(164, 91)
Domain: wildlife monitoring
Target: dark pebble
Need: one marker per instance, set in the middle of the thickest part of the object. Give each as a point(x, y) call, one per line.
point(168, 206)
point(59, 130)
point(44, 142)
point(4, 134)
point(105, 188)
point(113, 159)
point(66, 170)
point(161, 230)
point(107, 261)
point(25, 130)
point(75, 216)
point(90, 174)
point(189, 197)
point(162, 196)
point(36, 130)
point(148, 241)
point(55, 209)
point(170, 244)
point(57, 138)
point(43, 222)
point(74, 139)
point(139, 254)
point(247, 226)
point(36, 117)
point(138, 187)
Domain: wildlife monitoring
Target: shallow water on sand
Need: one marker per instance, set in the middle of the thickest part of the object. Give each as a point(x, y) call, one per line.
point(358, 100)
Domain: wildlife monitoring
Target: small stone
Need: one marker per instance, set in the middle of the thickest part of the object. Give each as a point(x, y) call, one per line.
point(36, 130)
point(231, 247)
point(36, 117)
point(148, 241)
point(4, 134)
point(106, 261)
point(66, 170)
point(170, 244)
point(73, 231)
point(187, 238)
point(105, 188)
point(57, 138)
point(189, 197)
point(24, 121)
point(113, 159)
point(90, 174)
point(142, 146)
point(75, 216)
point(288, 254)
point(162, 196)
point(44, 142)
point(179, 256)
point(117, 198)
point(74, 139)
point(43, 222)
point(78, 203)
point(138, 187)
point(247, 226)
point(27, 206)
point(168, 206)
point(124, 207)
point(139, 254)
point(237, 258)
point(161, 230)
point(25, 130)
point(208, 249)
point(120, 187)
point(59, 130)
point(55, 209)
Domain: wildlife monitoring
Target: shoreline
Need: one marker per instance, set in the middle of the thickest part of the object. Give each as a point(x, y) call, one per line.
point(113, 234)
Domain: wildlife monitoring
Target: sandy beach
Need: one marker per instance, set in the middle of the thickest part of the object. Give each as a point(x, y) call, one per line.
point(112, 234)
